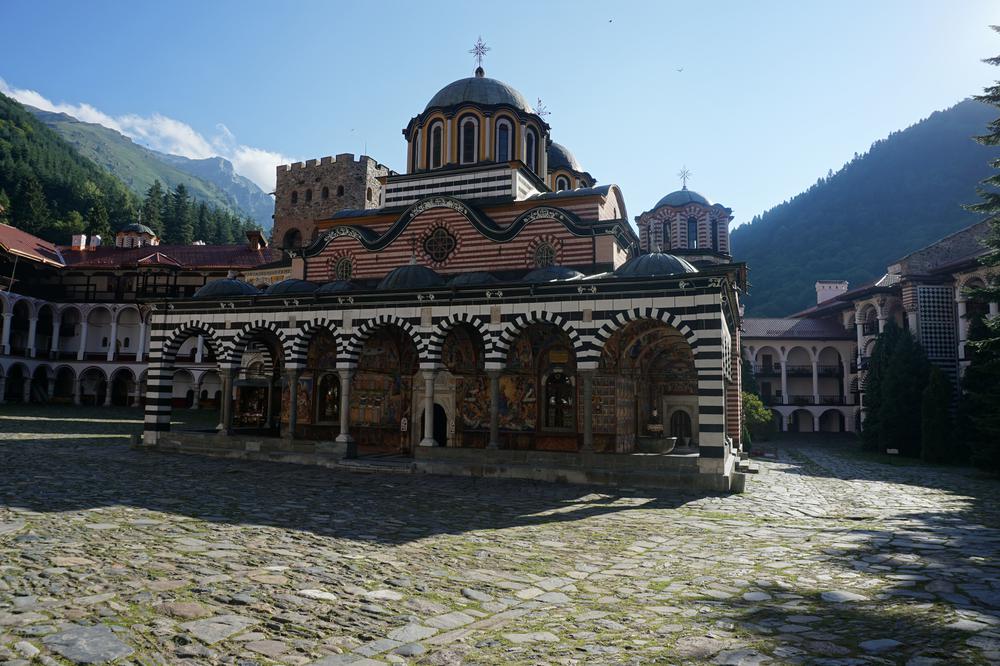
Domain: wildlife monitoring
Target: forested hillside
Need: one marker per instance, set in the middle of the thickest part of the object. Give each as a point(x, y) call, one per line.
point(48, 189)
point(905, 192)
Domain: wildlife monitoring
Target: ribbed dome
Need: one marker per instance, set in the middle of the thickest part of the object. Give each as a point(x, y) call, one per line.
point(479, 90)
point(654, 264)
point(682, 197)
point(551, 274)
point(472, 279)
point(411, 276)
point(336, 287)
point(291, 286)
point(137, 228)
point(561, 158)
point(225, 288)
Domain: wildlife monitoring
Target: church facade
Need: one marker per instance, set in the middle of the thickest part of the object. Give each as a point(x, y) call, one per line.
point(490, 311)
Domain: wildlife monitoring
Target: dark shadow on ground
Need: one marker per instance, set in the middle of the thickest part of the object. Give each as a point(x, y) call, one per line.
point(50, 464)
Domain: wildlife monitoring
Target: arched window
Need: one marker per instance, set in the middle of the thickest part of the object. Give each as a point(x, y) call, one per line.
point(343, 269)
point(530, 144)
point(309, 195)
point(295, 196)
point(715, 235)
point(666, 236)
point(126, 345)
point(436, 147)
point(562, 183)
point(470, 137)
point(340, 190)
point(293, 238)
point(328, 399)
point(680, 424)
point(368, 194)
point(560, 401)
point(692, 233)
point(325, 194)
point(545, 255)
point(503, 140)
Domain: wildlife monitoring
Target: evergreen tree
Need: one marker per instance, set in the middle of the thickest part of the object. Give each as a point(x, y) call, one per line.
point(4, 207)
point(937, 440)
point(748, 378)
point(203, 227)
point(152, 208)
point(70, 226)
point(902, 392)
point(29, 210)
point(98, 222)
point(178, 227)
point(878, 365)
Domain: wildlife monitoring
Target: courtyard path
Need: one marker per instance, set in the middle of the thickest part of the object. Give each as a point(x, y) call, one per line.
point(112, 554)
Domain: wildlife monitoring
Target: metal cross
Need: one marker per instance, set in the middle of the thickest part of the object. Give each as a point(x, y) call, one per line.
point(684, 175)
point(540, 109)
point(479, 50)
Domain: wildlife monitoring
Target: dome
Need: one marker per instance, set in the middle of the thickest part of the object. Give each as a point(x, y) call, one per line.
point(682, 197)
point(472, 279)
point(225, 288)
point(654, 264)
point(137, 228)
point(561, 158)
point(479, 90)
point(411, 276)
point(336, 287)
point(291, 286)
point(550, 274)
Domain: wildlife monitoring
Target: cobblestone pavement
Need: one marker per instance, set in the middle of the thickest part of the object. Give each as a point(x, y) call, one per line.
point(108, 553)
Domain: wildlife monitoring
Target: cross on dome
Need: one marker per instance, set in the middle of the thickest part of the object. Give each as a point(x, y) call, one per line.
point(478, 52)
point(684, 174)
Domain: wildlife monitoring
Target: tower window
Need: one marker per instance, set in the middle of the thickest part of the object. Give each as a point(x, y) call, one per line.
point(562, 183)
point(470, 130)
point(692, 233)
point(343, 269)
point(503, 141)
point(295, 196)
point(545, 255)
point(436, 146)
point(665, 232)
point(368, 194)
point(439, 245)
point(529, 149)
point(325, 194)
point(715, 235)
point(340, 190)
point(309, 195)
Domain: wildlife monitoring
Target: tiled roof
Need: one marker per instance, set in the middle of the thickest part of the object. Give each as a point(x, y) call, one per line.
point(815, 329)
point(183, 256)
point(18, 242)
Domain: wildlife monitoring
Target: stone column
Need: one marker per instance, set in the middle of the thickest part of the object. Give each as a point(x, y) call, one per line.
point(911, 320)
point(107, 393)
point(27, 389)
point(140, 348)
point(345, 412)
point(994, 308)
point(5, 335)
point(82, 351)
point(137, 395)
point(848, 398)
point(199, 349)
point(56, 325)
point(588, 409)
point(228, 381)
point(197, 394)
point(77, 390)
point(293, 401)
point(32, 330)
point(815, 369)
point(494, 442)
point(861, 338)
point(113, 338)
point(963, 327)
point(52, 387)
point(428, 440)
point(784, 382)
point(881, 323)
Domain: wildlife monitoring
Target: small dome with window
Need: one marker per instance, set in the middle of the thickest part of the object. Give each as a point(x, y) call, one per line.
point(411, 276)
point(226, 288)
point(337, 287)
point(682, 197)
point(654, 264)
point(480, 90)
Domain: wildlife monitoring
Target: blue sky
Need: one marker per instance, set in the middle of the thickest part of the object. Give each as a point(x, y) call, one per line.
point(771, 96)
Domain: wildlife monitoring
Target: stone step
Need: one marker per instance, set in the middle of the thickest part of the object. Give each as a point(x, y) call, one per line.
point(747, 468)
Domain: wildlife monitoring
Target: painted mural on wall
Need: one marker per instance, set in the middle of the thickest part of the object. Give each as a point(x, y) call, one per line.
point(540, 351)
point(464, 356)
point(382, 387)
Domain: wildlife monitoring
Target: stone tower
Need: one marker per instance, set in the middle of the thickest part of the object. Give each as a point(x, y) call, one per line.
point(314, 190)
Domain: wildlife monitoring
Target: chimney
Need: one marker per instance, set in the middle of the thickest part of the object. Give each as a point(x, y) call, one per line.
point(79, 242)
point(95, 242)
point(256, 240)
point(829, 289)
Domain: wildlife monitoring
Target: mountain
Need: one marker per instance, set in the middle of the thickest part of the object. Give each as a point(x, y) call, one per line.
point(906, 192)
point(211, 180)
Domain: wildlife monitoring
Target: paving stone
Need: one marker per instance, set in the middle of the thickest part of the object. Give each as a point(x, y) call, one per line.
point(411, 633)
point(842, 596)
point(218, 628)
point(879, 645)
point(88, 645)
point(532, 637)
point(184, 609)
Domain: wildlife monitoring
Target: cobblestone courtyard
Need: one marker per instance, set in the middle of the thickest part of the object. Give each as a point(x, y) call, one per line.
point(110, 553)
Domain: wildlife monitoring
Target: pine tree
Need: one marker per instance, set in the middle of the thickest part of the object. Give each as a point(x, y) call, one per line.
point(178, 227)
point(29, 210)
point(98, 222)
point(902, 392)
point(937, 440)
point(4, 207)
point(203, 225)
point(878, 365)
point(152, 208)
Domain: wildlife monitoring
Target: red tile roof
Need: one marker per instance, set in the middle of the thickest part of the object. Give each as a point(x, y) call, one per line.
point(815, 329)
point(21, 243)
point(181, 256)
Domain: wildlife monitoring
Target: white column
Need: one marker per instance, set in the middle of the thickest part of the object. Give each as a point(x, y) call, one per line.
point(197, 393)
point(848, 398)
point(199, 349)
point(82, 352)
point(56, 325)
point(345, 411)
point(815, 382)
point(784, 382)
point(994, 309)
point(861, 337)
point(963, 327)
point(113, 338)
point(5, 335)
point(428, 440)
point(107, 393)
point(140, 348)
point(77, 390)
point(27, 389)
point(32, 329)
point(881, 323)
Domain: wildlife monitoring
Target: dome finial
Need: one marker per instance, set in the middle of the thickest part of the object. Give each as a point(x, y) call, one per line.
point(684, 174)
point(478, 51)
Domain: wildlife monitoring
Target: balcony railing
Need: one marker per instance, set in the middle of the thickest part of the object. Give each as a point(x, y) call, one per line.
point(830, 370)
point(800, 400)
point(798, 370)
point(771, 370)
point(869, 328)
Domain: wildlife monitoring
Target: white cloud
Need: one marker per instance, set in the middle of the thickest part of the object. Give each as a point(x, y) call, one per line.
point(168, 135)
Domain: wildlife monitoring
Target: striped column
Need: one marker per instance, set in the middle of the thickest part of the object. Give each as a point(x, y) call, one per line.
point(711, 391)
point(159, 392)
